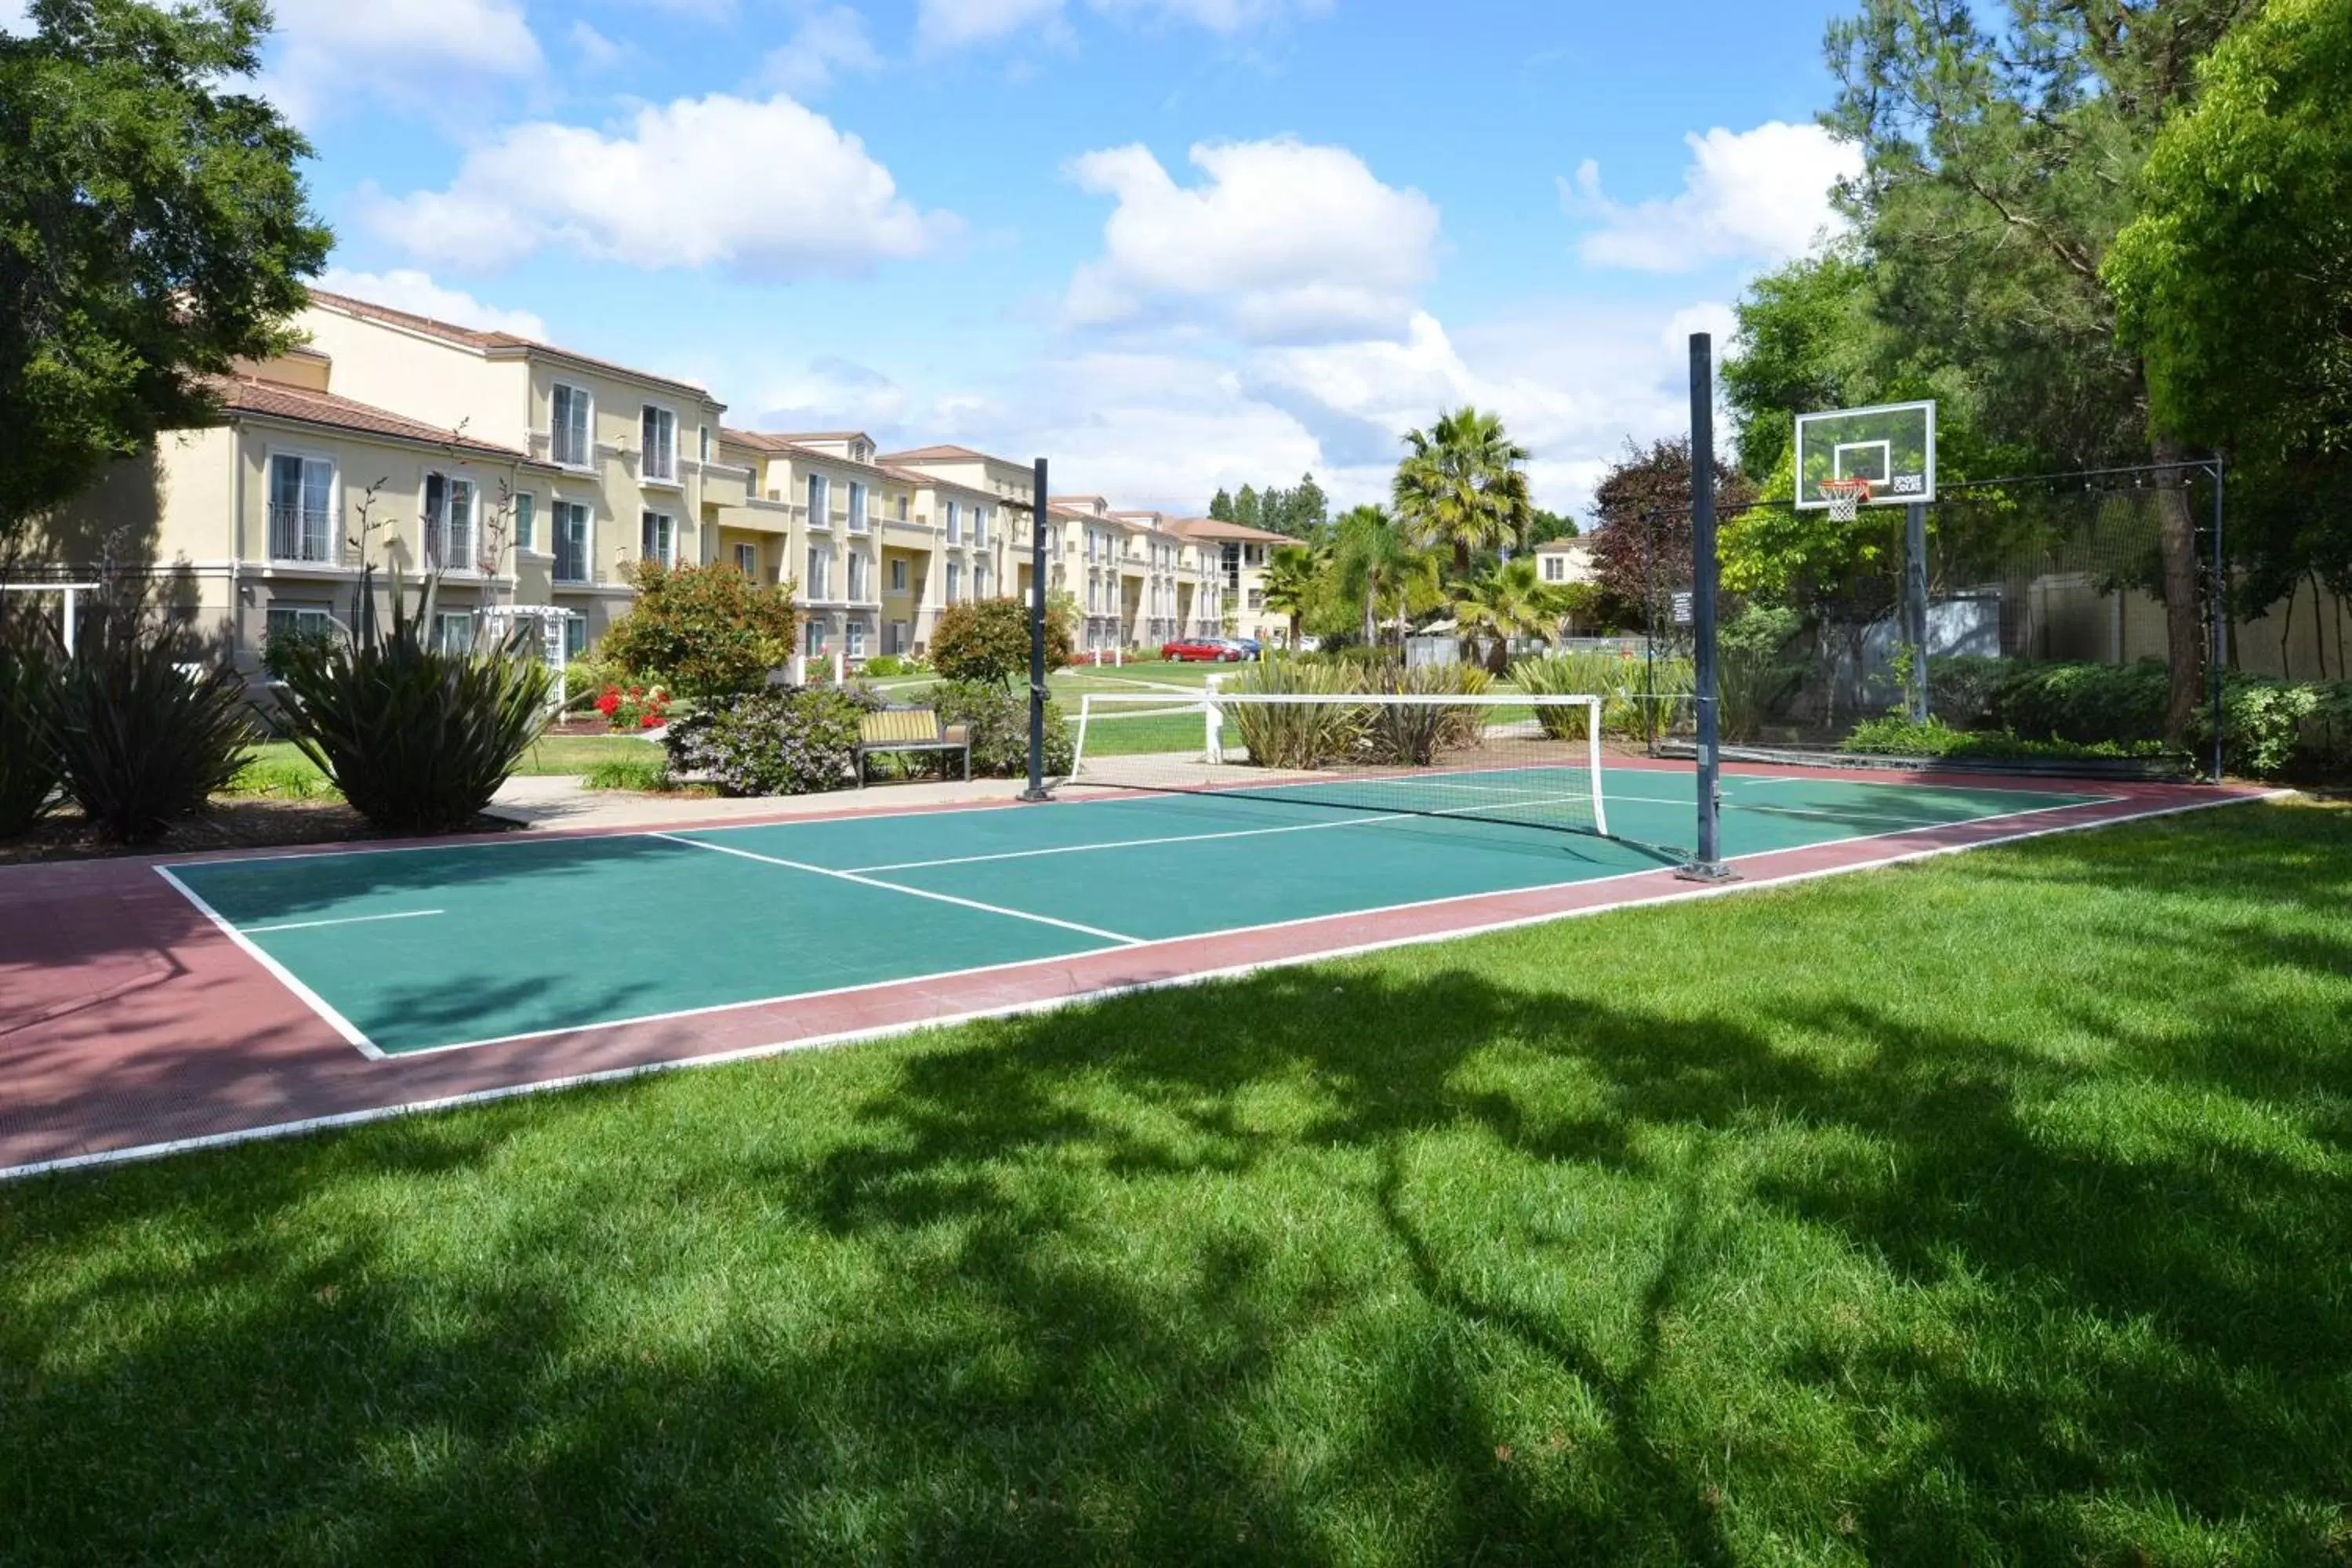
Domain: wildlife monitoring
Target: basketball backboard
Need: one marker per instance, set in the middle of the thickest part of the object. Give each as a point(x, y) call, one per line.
point(1891, 445)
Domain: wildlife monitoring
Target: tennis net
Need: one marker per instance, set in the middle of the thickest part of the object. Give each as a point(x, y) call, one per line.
point(1526, 760)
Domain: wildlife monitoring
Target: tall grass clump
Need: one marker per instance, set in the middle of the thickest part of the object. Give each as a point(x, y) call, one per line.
point(1298, 736)
point(1414, 734)
point(1619, 682)
point(417, 738)
point(143, 737)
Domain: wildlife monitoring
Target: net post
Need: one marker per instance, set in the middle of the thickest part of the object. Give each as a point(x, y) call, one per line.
point(1036, 790)
point(1915, 603)
point(1078, 749)
point(1707, 866)
point(1592, 757)
point(1217, 721)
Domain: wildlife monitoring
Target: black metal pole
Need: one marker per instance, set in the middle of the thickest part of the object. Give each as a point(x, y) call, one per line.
point(1036, 790)
point(1709, 867)
point(2221, 621)
point(1915, 603)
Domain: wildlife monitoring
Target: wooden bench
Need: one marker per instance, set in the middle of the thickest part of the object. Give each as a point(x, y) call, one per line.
point(909, 730)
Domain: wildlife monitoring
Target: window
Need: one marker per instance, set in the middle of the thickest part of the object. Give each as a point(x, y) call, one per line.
point(955, 522)
point(526, 524)
point(1232, 563)
point(747, 560)
point(575, 636)
point(902, 509)
point(702, 443)
point(1257, 599)
point(449, 523)
point(453, 631)
point(301, 509)
point(751, 478)
point(955, 580)
point(820, 567)
point(569, 427)
point(657, 538)
point(857, 639)
point(979, 580)
point(857, 507)
point(980, 525)
point(657, 429)
point(1555, 568)
point(857, 575)
point(286, 621)
point(898, 575)
point(816, 643)
point(818, 495)
point(573, 536)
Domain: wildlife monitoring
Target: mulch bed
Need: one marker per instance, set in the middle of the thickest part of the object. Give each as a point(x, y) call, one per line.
point(231, 822)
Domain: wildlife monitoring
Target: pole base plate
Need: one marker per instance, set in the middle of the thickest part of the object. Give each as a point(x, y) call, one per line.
point(1707, 871)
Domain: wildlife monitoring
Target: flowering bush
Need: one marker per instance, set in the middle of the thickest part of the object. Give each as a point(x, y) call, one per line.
point(634, 706)
point(778, 742)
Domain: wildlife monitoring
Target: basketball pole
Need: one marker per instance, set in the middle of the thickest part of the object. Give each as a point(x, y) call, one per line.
point(1915, 603)
point(1036, 790)
point(1709, 867)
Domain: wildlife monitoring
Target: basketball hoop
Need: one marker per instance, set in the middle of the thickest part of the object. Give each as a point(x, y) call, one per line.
point(1845, 498)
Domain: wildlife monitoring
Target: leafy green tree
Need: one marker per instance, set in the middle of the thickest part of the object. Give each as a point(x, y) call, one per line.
point(1381, 566)
point(1300, 511)
point(988, 641)
point(1221, 506)
point(1294, 577)
point(1463, 485)
point(152, 228)
point(1543, 527)
point(1999, 170)
point(1247, 507)
point(703, 631)
point(1642, 541)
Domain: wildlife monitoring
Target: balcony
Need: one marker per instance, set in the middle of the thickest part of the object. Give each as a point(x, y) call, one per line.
point(305, 536)
point(723, 486)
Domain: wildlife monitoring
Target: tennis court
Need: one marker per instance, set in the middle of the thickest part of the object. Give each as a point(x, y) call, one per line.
point(419, 950)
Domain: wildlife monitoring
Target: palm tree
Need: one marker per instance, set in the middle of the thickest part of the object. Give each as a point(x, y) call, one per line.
point(1378, 562)
point(1461, 485)
point(1292, 575)
point(1509, 601)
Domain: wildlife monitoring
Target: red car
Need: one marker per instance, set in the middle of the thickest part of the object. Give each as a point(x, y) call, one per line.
point(1199, 650)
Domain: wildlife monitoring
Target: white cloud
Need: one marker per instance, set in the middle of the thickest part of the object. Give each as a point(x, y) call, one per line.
point(406, 289)
point(830, 41)
point(420, 53)
point(766, 189)
point(953, 24)
point(1760, 195)
point(1285, 242)
point(833, 394)
point(595, 51)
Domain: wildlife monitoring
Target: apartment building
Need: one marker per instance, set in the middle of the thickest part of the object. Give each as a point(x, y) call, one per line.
point(1137, 582)
point(1235, 557)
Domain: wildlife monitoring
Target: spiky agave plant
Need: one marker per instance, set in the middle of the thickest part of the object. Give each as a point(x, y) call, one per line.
point(30, 768)
point(1303, 735)
point(417, 738)
point(143, 737)
point(1416, 734)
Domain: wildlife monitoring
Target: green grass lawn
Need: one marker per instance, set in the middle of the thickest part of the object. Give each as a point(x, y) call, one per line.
point(1992, 1210)
point(278, 767)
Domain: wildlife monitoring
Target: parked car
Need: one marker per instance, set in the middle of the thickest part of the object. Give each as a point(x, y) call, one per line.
point(1200, 650)
point(1249, 648)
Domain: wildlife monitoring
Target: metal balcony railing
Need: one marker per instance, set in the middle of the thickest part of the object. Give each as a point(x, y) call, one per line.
point(303, 533)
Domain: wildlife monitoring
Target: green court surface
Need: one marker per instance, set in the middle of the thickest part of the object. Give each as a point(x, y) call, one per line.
point(412, 950)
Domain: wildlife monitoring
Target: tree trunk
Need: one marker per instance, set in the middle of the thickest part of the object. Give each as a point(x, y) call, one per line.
point(1371, 626)
point(2183, 616)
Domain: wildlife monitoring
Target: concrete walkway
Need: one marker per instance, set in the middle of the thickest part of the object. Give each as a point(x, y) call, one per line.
point(560, 802)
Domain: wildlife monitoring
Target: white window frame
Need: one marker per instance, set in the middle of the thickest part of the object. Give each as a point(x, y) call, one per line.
point(747, 560)
point(954, 524)
point(663, 529)
point(526, 512)
point(813, 643)
point(856, 633)
point(584, 401)
point(820, 571)
point(857, 497)
point(447, 621)
point(662, 471)
point(979, 580)
point(897, 574)
point(308, 620)
point(560, 513)
point(980, 528)
point(334, 510)
point(817, 492)
point(954, 580)
point(470, 559)
point(702, 444)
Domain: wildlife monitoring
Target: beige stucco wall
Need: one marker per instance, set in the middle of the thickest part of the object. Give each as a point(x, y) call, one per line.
point(420, 377)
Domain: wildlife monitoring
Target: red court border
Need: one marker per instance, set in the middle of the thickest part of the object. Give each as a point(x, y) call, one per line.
point(130, 1026)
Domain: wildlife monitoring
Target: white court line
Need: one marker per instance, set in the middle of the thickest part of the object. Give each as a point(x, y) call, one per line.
point(895, 888)
point(343, 921)
point(316, 1003)
point(1025, 1009)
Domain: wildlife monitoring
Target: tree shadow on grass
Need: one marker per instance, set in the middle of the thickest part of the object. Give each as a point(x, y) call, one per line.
point(1472, 1253)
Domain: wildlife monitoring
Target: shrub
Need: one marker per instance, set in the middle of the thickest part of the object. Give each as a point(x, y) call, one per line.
point(141, 740)
point(1755, 674)
point(589, 677)
point(998, 718)
point(646, 773)
point(883, 664)
point(988, 639)
point(30, 768)
point(281, 647)
point(2081, 700)
point(1896, 735)
point(701, 631)
point(1962, 688)
point(416, 738)
point(1619, 682)
point(2273, 728)
point(776, 741)
point(1306, 735)
point(1416, 734)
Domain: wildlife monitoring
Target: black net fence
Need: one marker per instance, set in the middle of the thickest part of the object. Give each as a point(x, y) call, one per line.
point(2030, 635)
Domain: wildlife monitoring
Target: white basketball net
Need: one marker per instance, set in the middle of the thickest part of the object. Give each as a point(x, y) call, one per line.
point(1845, 497)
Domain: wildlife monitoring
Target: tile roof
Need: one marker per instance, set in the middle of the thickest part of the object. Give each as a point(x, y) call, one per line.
point(1217, 528)
point(249, 394)
point(932, 454)
point(822, 436)
point(475, 338)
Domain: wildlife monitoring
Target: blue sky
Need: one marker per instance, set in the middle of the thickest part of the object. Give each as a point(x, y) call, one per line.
point(1169, 243)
